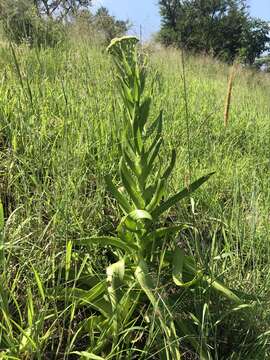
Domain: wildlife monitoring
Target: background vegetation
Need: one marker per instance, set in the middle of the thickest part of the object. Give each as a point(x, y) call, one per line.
point(45, 23)
point(59, 138)
point(222, 28)
point(61, 131)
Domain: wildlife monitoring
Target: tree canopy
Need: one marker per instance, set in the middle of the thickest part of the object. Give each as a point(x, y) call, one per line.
point(222, 28)
point(45, 21)
point(109, 25)
point(22, 21)
point(61, 8)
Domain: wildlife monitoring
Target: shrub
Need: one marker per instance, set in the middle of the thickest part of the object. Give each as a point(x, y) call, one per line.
point(22, 23)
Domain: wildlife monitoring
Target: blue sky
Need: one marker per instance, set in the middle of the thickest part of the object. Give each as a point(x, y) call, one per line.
point(146, 12)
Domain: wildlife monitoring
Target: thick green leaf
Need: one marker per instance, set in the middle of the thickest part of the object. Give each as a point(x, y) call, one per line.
point(93, 322)
point(136, 89)
point(149, 192)
point(130, 185)
point(170, 168)
point(126, 90)
point(127, 64)
point(145, 281)
point(137, 133)
point(148, 159)
point(142, 78)
point(115, 276)
point(140, 215)
point(127, 224)
point(178, 268)
point(92, 298)
point(131, 222)
point(153, 154)
point(224, 290)
point(130, 152)
point(86, 280)
point(122, 200)
point(107, 240)
point(103, 306)
point(179, 196)
point(163, 232)
point(129, 302)
point(131, 163)
point(144, 112)
point(157, 196)
point(130, 148)
point(189, 266)
point(86, 296)
point(157, 125)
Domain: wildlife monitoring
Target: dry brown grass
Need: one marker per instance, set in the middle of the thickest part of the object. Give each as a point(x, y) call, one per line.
point(229, 93)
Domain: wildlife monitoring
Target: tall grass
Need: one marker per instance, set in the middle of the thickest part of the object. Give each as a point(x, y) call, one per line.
point(59, 136)
point(229, 95)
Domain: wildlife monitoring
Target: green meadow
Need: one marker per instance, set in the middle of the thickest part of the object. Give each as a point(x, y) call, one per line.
point(61, 130)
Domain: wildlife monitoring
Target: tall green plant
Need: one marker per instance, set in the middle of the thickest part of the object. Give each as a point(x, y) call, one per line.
point(142, 199)
point(143, 179)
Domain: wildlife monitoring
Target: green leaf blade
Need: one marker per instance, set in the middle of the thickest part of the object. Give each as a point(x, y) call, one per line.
point(118, 196)
point(108, 240)
point(181, 195)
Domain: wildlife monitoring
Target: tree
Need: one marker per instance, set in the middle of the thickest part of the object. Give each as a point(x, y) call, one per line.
point(219, 27)
point(255, 40)
point(44, 21)
point(109, 25)
point(100, 26)
point(22, 22)
point(61, 8)
point(263, 64)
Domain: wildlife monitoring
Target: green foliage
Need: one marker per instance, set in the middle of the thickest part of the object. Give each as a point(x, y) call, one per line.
point(221, 28)
point(61, 9)
point(60, 132)
point(263, 63)
point(255, 40)
point(99, 26)
point(142, 202)
point(22, 23)
point(46, 23)
point(108, 25)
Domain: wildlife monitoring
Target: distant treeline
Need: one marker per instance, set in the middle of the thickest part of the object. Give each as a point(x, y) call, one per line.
point(47, 22)
point(222, 28)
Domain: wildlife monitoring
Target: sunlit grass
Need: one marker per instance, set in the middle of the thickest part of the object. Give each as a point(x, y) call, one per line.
point(59, 135)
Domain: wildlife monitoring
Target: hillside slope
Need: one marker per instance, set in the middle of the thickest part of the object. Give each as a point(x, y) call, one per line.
point(59, 128)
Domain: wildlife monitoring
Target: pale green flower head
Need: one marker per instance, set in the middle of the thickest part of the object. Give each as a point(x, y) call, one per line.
point(123, 43)
point(124, 46)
